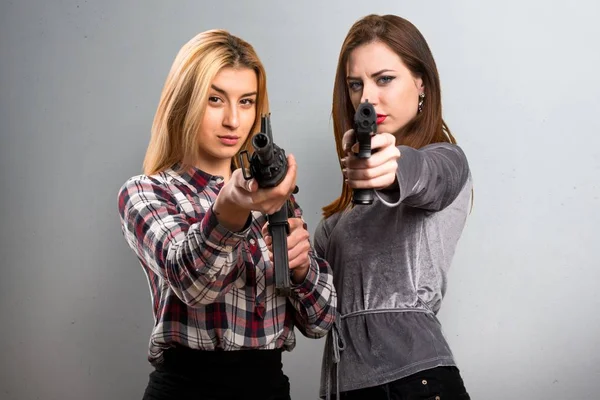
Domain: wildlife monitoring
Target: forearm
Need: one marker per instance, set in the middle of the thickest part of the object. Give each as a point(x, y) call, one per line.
point(198, 258)
point(315, 300)
point(204, 264)
point(428, 178)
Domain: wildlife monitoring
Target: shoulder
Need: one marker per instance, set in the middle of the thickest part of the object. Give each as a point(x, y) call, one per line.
point(449, 149)
point(141, 187)
point(326, 225)
point(140, 183)
point(323, 233)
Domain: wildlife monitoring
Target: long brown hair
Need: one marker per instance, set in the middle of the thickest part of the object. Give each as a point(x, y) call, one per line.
point(404, 39)
point(185, 94)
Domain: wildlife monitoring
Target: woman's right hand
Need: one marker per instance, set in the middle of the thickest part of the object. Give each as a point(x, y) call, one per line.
point(240, 196)
point(376, 172)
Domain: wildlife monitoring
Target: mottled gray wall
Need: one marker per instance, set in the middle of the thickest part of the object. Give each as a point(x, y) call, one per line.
point(79, 84)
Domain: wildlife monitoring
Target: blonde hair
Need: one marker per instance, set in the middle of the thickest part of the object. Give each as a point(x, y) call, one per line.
point(185, 94)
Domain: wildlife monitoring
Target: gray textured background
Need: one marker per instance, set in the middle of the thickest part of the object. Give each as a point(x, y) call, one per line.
point(79, 84)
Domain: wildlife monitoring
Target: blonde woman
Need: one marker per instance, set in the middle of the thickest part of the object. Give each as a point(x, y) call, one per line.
point(196, 226)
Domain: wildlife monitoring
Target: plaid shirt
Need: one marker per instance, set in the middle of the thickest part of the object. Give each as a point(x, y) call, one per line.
point(212, 288)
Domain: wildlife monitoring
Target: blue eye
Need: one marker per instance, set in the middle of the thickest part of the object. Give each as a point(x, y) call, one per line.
point(386, 79)
point(354, 85)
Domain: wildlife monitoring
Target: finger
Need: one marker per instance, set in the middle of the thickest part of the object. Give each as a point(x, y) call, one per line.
point(382, 140)
point(268, 240)
point(299, 257)
point(238, 179)
point(299, 263)
point(381, 157)
point(290, 177)
point(296, 238)
point(273, 198)
point(297, 229)
point(371, 173)
point(380, 182)
point(291, 159)
point(251, 185)
point(378, 142)
point(348, 139)
point(296, 223)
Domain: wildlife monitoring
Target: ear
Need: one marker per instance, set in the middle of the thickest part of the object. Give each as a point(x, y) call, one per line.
point(419, 84)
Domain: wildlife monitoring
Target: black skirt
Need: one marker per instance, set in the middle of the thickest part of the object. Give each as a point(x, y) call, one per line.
point(187, 374)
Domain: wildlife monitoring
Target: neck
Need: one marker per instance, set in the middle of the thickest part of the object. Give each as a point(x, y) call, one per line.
point(214, 167)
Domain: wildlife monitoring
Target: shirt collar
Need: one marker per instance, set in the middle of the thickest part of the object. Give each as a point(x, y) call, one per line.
point(195, 176)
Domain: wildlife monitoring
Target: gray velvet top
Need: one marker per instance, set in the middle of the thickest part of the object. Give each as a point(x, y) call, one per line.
point(390, 263)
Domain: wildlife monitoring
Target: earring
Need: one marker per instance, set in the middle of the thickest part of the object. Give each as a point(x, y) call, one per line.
point(421, 98)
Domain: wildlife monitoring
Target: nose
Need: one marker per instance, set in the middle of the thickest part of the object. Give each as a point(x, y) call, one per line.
point(369, 93)
point(231, 118)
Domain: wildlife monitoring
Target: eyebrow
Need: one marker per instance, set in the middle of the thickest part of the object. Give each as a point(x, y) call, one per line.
point(223, 92)
point(372, 75)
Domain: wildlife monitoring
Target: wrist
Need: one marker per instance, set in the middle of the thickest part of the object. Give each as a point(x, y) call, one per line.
point(299, 274)
point(230, 214)
point(393, 187)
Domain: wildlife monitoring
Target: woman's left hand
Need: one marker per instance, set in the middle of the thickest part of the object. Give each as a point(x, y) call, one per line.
point(376, 172)
point(298, 247)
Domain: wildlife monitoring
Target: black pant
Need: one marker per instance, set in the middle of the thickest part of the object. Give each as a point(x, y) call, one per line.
point(189, 374)
point(441, 383)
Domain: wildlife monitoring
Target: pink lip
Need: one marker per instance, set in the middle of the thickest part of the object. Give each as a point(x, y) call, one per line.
point(229, 140)
point(381, 118)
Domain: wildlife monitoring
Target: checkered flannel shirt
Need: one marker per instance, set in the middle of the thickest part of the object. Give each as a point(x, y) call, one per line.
point(212, 288)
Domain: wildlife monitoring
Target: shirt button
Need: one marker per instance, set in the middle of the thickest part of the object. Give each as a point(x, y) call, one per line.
point(424, 382)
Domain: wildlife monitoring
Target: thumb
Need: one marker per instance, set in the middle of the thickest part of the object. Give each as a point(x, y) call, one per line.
point(348, 139)
point(249, 185)
point(383, 141)
point(292, 165)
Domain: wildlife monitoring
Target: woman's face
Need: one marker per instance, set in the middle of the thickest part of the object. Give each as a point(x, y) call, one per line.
point(229, 115)
point(377, 74)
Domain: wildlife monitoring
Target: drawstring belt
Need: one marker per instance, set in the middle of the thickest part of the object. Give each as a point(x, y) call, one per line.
point(333, 345)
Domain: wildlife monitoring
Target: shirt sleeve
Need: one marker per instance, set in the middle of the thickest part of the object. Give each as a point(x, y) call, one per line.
point(321, 239)
point(314, 300)
point(429, 178)
point(198, 258)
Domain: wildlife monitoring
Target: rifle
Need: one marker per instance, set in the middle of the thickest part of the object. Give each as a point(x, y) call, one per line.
point(268, 165)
